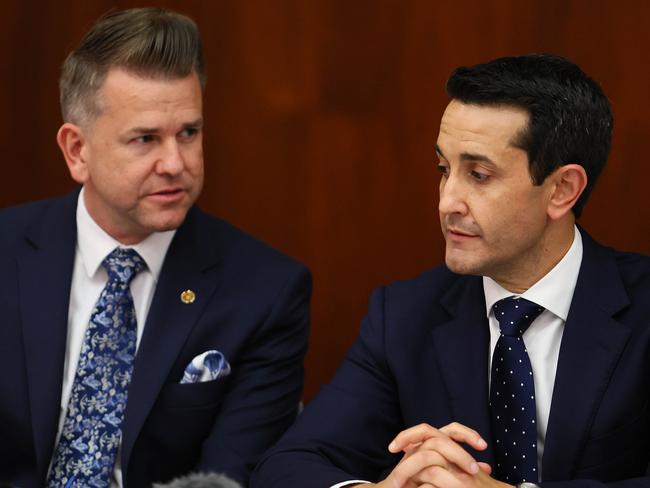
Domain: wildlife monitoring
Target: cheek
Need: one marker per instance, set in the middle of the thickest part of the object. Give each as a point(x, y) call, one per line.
point(126, 181)
point(501, 219)
point(193, 159)
point(195, 168)
point(521, 221)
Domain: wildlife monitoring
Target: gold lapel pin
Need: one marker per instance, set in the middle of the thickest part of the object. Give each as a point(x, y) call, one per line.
point(188, 296)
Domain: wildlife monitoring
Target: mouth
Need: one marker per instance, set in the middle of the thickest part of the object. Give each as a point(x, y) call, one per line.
point(459, 235)
point(167, 195)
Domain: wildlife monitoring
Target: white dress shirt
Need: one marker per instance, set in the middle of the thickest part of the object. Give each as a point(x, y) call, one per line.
point(89, 279)
point(543, 337)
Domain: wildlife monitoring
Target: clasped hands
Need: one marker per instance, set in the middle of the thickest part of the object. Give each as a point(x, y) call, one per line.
point(434, 458)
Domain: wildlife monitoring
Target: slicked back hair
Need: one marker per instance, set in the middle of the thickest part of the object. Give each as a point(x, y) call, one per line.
point(148, 42)
point(570, 120)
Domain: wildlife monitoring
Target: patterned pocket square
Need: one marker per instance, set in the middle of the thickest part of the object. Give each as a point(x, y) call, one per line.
point(206, 367)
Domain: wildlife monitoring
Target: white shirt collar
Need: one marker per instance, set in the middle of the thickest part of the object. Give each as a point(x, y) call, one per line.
point(554, 291)
point(94, 244)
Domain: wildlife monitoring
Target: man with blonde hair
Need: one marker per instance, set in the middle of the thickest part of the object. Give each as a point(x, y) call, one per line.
point(141, 339)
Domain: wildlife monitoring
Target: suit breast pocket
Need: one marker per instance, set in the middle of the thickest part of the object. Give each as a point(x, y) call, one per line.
point(192, 395)
point(184, 414)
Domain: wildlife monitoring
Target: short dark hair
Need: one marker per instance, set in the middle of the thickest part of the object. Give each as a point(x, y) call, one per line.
point(150, 42)
point(570, 120)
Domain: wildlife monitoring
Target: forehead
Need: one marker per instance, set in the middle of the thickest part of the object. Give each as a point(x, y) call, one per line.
point(469, 127)
point(123, 90)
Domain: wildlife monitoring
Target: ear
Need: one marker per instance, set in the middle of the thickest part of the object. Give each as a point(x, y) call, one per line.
point(568, 183)
point(72, 142)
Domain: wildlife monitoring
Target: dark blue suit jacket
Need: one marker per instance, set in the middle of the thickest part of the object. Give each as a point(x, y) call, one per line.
point(422, 356)
point(251, 304)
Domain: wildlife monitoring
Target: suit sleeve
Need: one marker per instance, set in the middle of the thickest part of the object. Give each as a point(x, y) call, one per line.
point(344, 432)
point(268, 385)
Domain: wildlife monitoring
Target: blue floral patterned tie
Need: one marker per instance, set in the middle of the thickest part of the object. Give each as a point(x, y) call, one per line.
point(91, 433)
point(512, 394)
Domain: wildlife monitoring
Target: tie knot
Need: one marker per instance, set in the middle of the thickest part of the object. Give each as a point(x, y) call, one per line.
point(515, 315)
point(123, 264)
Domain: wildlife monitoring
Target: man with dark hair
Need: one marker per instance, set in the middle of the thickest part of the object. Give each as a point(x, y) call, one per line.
point(569, 116)
point(141, 339)
point(524, 360)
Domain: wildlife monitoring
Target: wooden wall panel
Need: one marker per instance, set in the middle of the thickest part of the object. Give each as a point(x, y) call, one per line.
point(321, 120)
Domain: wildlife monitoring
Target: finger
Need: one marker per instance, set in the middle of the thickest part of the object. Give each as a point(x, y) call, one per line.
point(412, 435)
point(393, 481)
point(438, 477)
point(439, 440)
point(480, 479)
point(484, 479)
point(453, 453)
point(422, 432)
point(411, 447)
point(408, 453)
point(485, 467)
point(462, 433)
point(408, 468)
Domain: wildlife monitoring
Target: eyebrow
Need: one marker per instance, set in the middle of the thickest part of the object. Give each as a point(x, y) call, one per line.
point(465, 156)
point(152, 130)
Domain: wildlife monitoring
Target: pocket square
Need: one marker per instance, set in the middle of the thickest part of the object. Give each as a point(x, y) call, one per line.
point(206, 367)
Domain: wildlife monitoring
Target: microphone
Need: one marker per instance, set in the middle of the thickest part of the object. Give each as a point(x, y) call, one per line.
point(200, 480)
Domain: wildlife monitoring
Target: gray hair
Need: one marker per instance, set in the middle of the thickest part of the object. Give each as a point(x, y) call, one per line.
point(149, 42)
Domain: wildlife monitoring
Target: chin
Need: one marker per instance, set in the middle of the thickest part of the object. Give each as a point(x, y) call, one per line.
point(167, 224)
point(462, 266)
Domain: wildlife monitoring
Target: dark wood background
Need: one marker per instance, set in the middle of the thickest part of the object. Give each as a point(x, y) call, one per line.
point(322, 117)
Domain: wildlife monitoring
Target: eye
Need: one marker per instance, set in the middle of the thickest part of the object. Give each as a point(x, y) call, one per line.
point(444, 169)
point(478, 176)
point(145, 139)
point(188, 132)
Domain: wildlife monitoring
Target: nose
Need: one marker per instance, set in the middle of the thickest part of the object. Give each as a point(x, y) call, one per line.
point(171, 161)
point(452, 196)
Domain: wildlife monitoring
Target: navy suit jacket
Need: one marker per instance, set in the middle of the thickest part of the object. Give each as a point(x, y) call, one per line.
point(251, 304)
point(422, 356)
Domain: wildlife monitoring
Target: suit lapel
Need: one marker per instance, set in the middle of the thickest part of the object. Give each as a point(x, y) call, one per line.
point(592, 343)
point(189, 264)
point(44, 275)
point(462, 348)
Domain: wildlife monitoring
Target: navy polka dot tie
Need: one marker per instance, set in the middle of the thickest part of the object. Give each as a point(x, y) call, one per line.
point(512, 394)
